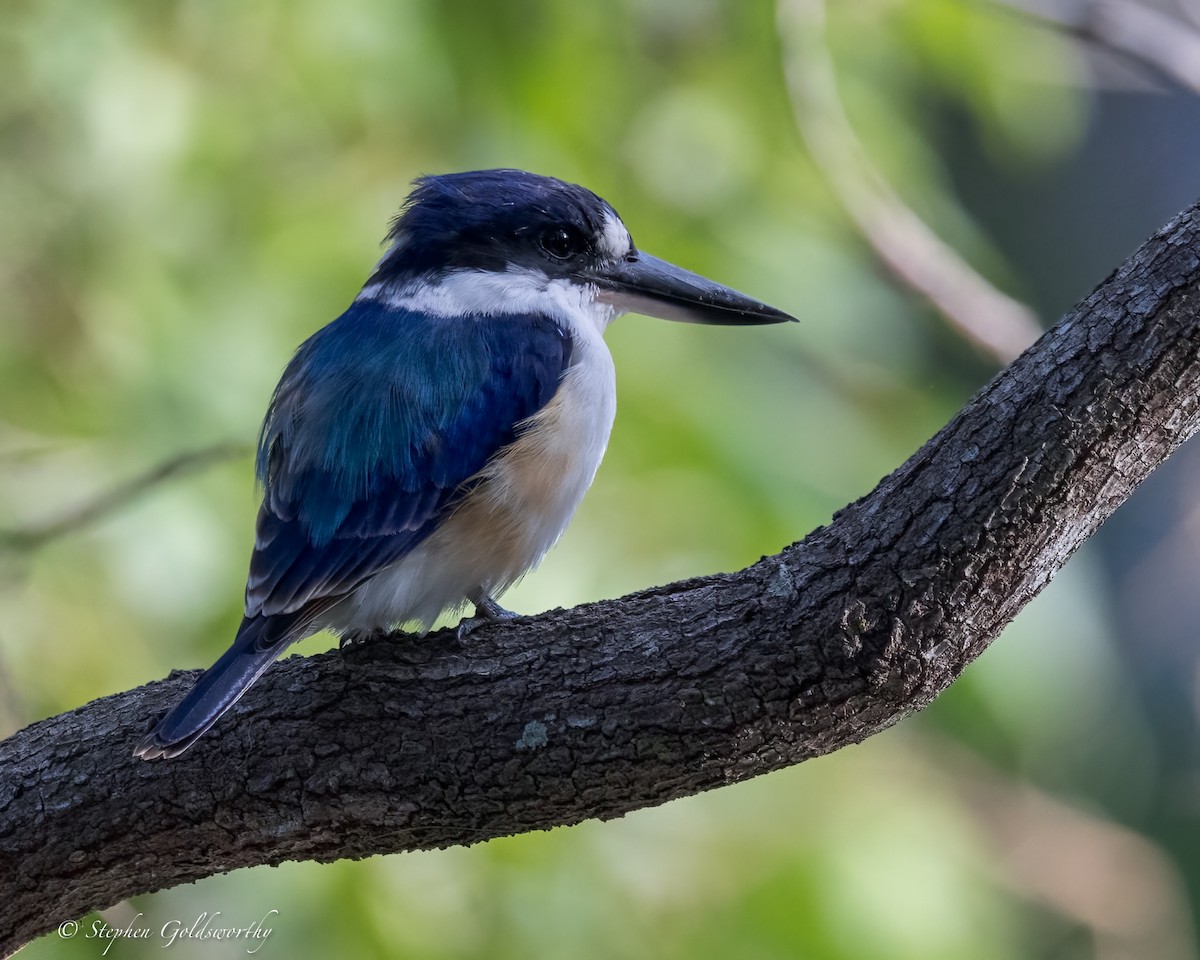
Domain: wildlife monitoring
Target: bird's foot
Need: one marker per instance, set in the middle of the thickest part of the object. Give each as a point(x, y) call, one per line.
point(353, 637)
point(394, 634)
point(487, 610)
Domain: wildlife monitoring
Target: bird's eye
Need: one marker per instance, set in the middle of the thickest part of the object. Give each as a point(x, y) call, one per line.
point(560, 243)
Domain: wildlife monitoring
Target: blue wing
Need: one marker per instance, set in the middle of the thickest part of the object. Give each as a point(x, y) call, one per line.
point(377, 424)
point(374, 431)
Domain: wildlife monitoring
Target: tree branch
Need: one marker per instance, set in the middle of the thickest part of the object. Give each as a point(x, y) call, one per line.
point(1164, 45)
point(905, 245)
point(609, 707)
point(35, 536)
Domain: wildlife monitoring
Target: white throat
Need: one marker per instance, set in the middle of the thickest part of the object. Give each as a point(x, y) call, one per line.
point(488, 293)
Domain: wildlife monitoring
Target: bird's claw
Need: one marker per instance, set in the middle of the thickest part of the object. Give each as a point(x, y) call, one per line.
point(352, 637)
point(487, 610)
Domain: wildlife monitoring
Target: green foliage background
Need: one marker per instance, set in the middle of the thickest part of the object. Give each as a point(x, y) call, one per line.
point(188, 189)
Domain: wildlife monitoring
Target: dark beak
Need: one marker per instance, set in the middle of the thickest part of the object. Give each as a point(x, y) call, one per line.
point(647, 285)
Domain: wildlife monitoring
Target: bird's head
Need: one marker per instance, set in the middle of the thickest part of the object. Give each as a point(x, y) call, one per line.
point(502, 241)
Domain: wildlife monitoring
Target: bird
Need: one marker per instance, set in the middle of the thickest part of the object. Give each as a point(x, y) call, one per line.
point(426, 448)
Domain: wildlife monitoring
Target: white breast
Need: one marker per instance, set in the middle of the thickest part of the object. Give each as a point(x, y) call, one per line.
point(519, 508)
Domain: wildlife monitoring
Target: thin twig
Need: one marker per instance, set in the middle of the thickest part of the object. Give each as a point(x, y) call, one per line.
point(25, 539)
point(1166, 46)
point(911, 251)
point(1090, 870)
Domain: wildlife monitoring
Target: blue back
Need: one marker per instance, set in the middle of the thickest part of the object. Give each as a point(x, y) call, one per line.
point(376, 425)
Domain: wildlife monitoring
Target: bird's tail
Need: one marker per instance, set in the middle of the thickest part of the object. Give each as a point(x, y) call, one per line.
point(259, 641)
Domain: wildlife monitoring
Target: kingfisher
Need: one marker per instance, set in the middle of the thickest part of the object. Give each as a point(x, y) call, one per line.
point(424, 450)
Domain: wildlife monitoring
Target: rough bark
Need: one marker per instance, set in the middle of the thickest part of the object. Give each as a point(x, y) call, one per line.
point(613, 706)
